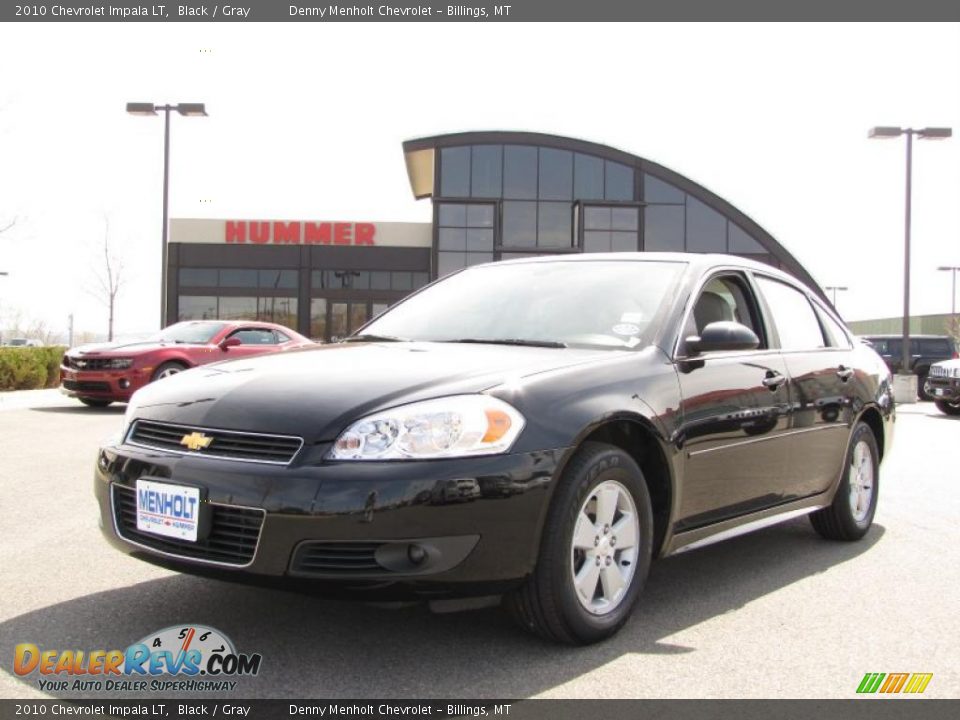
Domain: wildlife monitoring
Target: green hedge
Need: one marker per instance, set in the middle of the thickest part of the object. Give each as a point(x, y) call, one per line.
point(30, 368)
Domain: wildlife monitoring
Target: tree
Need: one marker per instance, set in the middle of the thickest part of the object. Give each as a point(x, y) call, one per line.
point(110, 279)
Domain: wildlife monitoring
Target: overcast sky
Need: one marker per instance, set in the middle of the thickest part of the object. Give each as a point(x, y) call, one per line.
point(306, 122)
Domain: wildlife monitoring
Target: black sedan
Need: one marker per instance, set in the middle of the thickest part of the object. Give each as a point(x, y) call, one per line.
point(537, 430)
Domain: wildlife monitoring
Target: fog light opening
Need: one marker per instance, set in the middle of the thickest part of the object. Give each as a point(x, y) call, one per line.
point(124, 384)
point(416, 554)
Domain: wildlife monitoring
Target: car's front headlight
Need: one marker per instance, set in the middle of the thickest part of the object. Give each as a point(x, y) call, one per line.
point(456, 426)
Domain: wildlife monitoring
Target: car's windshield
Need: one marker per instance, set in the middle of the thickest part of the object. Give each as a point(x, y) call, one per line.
point(601, 303)
point(190, 332)
point(18, 342)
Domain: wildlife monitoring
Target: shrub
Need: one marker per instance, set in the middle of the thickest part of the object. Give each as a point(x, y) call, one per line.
point(30, 368)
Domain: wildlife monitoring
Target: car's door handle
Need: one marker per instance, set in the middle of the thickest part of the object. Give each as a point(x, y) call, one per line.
point(844, 373)
point(774, 380)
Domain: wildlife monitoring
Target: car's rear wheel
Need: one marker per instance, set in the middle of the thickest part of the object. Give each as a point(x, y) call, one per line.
point(851, 513)
point(90, 402)
point(947, 408)
point(166, 370)
point(595, 551)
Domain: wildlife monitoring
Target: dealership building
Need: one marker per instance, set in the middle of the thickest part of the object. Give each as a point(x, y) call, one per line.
point(495, 196)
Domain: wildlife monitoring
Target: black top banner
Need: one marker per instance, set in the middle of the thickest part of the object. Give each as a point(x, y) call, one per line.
point(507, 11)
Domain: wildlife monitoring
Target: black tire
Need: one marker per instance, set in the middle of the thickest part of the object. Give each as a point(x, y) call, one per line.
point(947, 408)
point(921, 393)
point(838, 521)
point(547, 603)
point(90, 402)
point(168, 368)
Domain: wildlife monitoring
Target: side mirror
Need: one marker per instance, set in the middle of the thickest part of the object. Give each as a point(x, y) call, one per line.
point(722, 335)
point(230, 342)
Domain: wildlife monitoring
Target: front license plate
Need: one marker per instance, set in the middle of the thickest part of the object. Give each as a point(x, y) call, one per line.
point(938, 392)
point(170, 510)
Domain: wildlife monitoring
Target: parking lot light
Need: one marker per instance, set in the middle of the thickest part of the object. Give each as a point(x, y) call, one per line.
point(187, 110)
point(884, 132)
point(952, 269)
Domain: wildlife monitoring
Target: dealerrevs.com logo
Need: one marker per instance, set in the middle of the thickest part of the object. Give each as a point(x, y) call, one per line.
point(892, 683)
point(202, 656)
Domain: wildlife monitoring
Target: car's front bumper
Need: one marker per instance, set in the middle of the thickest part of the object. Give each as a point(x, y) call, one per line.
point(943, 388)
point(343, 525)
point(109, 385)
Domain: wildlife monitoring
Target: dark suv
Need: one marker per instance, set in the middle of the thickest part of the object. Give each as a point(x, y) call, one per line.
point(924, 351)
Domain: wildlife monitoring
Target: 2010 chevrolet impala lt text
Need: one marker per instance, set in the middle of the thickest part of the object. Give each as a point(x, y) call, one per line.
point(535, 429)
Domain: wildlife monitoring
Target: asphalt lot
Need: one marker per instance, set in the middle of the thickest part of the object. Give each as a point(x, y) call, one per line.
point(780, 613)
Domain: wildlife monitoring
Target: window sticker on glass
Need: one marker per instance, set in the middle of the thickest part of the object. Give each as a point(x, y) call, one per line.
point(626, 329)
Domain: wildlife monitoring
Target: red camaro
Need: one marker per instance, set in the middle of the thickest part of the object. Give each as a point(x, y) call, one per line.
point(98, 375)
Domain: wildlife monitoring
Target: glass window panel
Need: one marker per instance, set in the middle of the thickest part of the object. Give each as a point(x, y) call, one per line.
point(555, 225)
point(618, 184)
point(318, 319)
point(420, 279)
point(358, 316)
point(378, 309)
point(339, 324)
point(556, 174)
point(793, 316)
point(447, 262)
point(380, 280)
point(656, 190)
point(196, 307)
point(624, 218)
point(519, 172)
point(452, 239)
point(587, 177)
point(286, 279)
point(401, 281)
point(198, 277)
point(452, 215)
point(706, 228)
point(479, 216)
point(837, 335)
point(623, 241)
point(455, 172)
point(596, 241)
point(255, 336)
point(519, 224)
point(360, 279)
point(282, 310)
point(741, 242)
point(596, 218)
point(514, 256)
point(663, 227)
point(238, 308)
point(479, 240)
point(476, 258)
point(486, 171)
point(238, 278)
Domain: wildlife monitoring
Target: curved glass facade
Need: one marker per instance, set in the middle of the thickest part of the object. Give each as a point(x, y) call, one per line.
point(501, 195)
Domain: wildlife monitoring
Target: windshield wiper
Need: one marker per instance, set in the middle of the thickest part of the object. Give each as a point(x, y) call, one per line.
point(511, 341)
point(374, 338)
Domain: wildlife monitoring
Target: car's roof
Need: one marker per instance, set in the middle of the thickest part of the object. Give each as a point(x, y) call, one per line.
point(899, 336)
point(700, 261)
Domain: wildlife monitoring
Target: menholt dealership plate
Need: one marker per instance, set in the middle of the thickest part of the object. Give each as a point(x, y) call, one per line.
point(171, 510)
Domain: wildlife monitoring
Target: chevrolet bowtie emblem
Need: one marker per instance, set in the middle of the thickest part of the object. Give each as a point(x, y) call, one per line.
point(196, 441)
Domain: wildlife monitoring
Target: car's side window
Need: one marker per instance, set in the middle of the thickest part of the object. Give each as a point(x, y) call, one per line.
point(837, 337)
point(793, 316)
point(724, 297)
point(281, 338)
point(255, 336)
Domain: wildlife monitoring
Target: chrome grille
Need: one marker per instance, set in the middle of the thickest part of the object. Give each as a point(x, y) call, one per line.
point(227, 444)
point(88, 363)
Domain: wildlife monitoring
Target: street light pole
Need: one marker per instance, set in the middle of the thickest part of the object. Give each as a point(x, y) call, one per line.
point(930, 133)
point(832, 289)
point(953, 285)
point(187, 110)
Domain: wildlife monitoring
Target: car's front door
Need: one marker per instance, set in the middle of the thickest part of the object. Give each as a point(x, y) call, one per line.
point(734, 412)
point(253, 341)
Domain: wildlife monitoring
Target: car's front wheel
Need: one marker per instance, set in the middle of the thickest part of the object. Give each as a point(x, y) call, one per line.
point(851, 513)
point(595, 551)
point(166, 370)
point(948, 408)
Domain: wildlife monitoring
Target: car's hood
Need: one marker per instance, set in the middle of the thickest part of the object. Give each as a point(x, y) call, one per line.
point(314, 393)
point(948, 364)
point(122, 348)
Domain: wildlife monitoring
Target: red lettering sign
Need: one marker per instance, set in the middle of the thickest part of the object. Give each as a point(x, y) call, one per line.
point(296, 232)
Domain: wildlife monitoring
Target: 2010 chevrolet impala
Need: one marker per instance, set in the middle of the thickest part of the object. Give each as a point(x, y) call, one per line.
point(539, 429)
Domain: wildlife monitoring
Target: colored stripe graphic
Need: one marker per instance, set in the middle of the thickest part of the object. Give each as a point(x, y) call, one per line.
point(894, 683)
point(870, 682)
point(918, 683)
point(914, 683)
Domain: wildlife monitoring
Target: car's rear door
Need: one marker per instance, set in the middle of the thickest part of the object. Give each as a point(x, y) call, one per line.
point(822, 381)
point(734, 411)
point(253, 341)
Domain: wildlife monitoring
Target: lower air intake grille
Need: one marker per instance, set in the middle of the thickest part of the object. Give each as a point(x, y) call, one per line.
point(255, 447)
point(339, 558)
point(232, 539)
point(86, 386)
